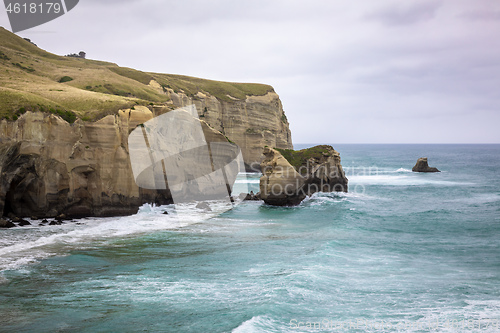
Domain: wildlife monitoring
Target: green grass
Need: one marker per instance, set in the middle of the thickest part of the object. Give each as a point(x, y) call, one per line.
point(133, 74)
point(30, 77)
point(222, 90)
point(298, 158)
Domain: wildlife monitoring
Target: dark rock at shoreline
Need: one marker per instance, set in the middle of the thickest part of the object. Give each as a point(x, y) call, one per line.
point(6, 224)
point(423, 166)
point(23, 223)
point(250, 196)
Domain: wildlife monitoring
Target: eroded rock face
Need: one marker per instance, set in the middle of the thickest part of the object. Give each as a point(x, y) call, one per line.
point(281, 184)
point(252, 124)
point(317, 169)
point(49, 167)
point(422, 165)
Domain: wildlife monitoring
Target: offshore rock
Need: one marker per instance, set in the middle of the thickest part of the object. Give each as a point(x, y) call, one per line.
point(289, 177)
point(281, 184)
point(423, 166)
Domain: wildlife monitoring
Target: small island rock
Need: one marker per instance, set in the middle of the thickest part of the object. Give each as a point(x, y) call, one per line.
point(423, 166)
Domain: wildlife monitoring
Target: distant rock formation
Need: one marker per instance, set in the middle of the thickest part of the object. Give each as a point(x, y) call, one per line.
point(423, 166)
point(316, 169)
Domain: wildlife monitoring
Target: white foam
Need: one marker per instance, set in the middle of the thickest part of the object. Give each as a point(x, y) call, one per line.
point(476, 199)
point(403, 180)
point(456, 319)
point(257, 324)
point(320, 198)
point(247, 181)
point(43, 242)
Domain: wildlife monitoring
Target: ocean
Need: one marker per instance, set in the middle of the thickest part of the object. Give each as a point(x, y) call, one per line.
point(401, 252)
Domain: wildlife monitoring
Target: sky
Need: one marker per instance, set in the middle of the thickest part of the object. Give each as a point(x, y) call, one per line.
point(385, 71)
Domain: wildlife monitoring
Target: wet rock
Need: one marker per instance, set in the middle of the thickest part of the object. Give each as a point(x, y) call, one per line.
point(6, 224)
point(23, 223)
point(249, 196)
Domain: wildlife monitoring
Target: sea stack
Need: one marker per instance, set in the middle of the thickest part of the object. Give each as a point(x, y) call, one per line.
point(281, 184)
point(423, 166)
point(290, 176)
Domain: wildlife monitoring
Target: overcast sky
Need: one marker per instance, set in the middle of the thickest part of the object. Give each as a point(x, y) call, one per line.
point(384, 71)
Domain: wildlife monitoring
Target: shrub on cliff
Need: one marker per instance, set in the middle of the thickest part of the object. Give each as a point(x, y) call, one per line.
point(65, 79)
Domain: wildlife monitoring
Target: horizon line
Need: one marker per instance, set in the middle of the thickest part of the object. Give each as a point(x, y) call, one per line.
point(392, 143)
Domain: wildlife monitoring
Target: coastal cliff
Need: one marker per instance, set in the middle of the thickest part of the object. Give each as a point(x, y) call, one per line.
point(50, 167)
point(64, 124)
point(31, 79)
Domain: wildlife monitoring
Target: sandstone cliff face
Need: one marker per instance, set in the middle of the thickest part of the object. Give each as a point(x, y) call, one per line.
point(49, 167)
point(316, 169)
point(280, 184)
point(252, 124)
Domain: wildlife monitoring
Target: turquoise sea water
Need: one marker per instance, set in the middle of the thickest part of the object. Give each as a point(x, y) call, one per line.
point(402, 252)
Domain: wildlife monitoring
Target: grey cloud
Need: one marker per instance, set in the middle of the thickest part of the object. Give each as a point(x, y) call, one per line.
point(340, 73)
point(482, 15)
point(406, 14)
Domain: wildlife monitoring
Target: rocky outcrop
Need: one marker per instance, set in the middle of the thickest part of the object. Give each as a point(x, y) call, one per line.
point(287, 180)
point(423, 166)
point(49, 166)
point(251, 123)
point(4, 224)
point(280, 184)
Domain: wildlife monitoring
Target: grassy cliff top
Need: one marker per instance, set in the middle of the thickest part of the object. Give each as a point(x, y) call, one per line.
point(33, 79)
point(298, 158)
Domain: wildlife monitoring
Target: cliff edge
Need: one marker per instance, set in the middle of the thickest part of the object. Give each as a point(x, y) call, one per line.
point(64, 124)
point(31, 79)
